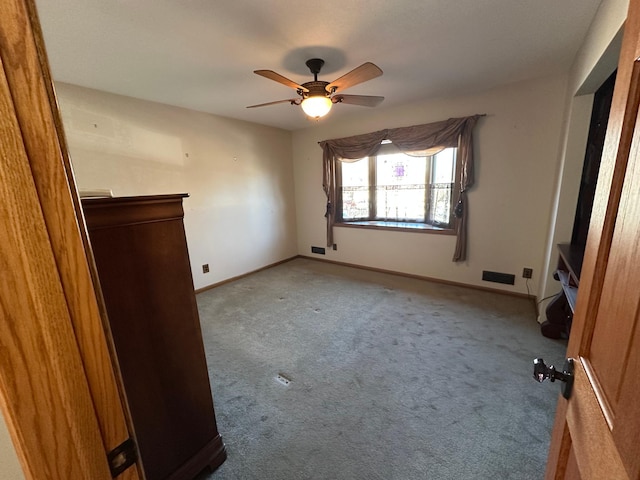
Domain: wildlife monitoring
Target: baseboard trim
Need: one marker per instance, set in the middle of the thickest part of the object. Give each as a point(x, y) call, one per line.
point(428, 279)
point(379, 270)
point(233, 279)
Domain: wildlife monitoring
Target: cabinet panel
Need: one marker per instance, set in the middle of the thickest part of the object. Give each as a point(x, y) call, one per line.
point(143, 265)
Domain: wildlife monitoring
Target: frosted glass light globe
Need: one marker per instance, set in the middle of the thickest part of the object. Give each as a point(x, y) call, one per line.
point(316, 107)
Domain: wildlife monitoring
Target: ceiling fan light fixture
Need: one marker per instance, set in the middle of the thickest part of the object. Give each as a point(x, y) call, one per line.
point(317, 97)
point(316, 106)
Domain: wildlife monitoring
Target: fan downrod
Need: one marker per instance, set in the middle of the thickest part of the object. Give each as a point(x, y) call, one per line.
point(315, 65)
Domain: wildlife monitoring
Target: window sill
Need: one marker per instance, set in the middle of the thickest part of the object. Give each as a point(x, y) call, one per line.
point(398, 226)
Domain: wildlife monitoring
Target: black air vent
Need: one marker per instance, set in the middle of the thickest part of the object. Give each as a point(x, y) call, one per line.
point(498, 277)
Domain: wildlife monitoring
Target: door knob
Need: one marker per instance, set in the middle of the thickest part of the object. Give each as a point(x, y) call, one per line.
point(541, 372)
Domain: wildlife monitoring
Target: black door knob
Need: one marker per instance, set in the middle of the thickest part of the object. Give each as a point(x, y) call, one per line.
point(541, 372)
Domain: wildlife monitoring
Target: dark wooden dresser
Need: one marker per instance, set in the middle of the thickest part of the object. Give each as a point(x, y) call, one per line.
point(141, 255)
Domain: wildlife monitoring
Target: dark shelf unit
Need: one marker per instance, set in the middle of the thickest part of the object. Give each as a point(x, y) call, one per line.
point(559, 312)
point(568, 272)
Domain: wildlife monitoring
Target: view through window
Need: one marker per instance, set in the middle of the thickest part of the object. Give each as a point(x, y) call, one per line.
point(395, 188)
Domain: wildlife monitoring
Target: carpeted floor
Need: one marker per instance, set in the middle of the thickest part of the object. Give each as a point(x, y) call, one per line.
point(390, 378)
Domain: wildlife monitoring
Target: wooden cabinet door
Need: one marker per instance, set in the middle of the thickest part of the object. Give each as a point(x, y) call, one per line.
point(597, 430)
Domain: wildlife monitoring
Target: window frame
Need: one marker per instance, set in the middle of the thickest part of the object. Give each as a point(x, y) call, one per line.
point(398, 225)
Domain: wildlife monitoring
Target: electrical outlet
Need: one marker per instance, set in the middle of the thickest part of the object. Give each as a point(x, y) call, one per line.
point(205, 268)
point(527, 272)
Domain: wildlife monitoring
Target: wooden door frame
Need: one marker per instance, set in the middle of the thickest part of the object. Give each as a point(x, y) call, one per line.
point(613, 166)
point(59, 386)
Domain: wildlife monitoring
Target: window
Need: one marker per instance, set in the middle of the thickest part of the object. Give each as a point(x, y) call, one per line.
point(396, 190)
point(358, 200)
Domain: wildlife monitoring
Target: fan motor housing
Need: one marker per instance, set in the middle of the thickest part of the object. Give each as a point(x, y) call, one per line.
point(316, 89)
point(321, 90)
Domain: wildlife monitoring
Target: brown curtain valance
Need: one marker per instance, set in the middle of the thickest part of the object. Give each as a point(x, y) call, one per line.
point(454, 132)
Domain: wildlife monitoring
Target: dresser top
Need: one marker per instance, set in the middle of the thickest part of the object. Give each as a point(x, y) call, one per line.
point(122, 211)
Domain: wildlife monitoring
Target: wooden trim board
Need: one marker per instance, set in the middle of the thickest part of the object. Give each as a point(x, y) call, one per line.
point(238, 277)
point(425, 278)
point(379, 270)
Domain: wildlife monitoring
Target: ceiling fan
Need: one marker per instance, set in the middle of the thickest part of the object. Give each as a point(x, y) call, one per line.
point(317, 97)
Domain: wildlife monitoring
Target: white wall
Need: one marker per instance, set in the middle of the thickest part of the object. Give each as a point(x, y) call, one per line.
point(242, 211)
point(516, 151)
point(595, 61)
point(9, 465)
point(240, 215)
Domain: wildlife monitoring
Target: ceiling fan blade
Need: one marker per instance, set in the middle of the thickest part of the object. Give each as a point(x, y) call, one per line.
point(292, 101)
point(363, 73)
point(271, 75)
point(362, 100)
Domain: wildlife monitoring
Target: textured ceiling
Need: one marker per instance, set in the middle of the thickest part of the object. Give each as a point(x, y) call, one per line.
point(200, 54)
